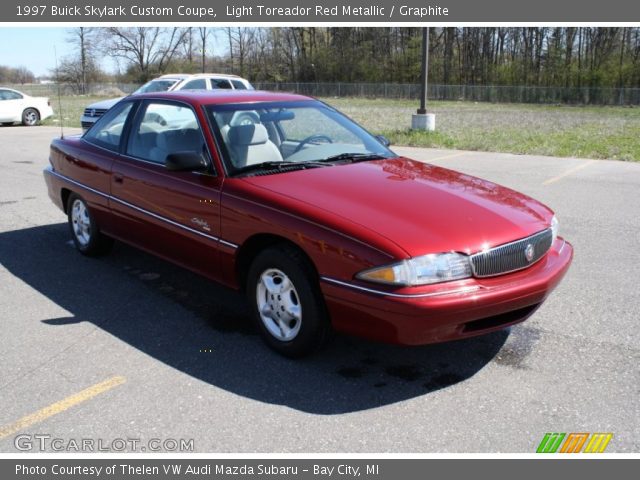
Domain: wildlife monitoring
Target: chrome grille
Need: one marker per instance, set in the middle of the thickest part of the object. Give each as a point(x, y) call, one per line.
point(511, 256)
point(94, 112)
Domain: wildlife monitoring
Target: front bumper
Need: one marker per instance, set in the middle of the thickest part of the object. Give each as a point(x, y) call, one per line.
point(443, 312)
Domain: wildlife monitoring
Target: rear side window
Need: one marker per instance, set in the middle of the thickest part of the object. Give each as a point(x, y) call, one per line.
point(239, 85)
point(220, 83)
point(163, 129)
point(197, 84)
point(107, 131)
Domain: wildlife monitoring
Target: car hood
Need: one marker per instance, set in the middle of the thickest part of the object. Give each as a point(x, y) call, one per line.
point(420, 207)
point(105, 104)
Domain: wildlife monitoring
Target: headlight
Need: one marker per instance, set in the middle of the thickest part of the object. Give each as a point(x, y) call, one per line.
point(554, 228)
point(424, 270)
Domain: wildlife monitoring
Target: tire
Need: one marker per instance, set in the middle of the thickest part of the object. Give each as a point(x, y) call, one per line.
point(282, 285)
point(85, 232)
point(30, 117)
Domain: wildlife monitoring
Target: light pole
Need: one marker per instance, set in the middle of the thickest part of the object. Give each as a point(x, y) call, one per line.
point(422, 120)
point(425, 71)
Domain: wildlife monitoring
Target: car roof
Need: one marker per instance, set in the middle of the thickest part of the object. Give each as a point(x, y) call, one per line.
point(224, 96)
point(219, 75)
point(173, 76)
point(12, 90)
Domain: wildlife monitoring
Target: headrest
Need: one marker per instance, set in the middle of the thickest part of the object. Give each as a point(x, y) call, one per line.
point(254, 134)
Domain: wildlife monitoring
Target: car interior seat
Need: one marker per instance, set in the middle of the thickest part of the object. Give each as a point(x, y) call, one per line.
point(250, 144)
point(173, 141)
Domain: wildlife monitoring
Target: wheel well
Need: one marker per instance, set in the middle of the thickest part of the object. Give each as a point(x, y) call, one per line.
point(256, 244)
point(33, 108)
point(64, 194)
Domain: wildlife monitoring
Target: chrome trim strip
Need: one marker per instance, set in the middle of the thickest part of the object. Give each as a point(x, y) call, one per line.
point(400, 295)
point(564, 242)
point(142, 210)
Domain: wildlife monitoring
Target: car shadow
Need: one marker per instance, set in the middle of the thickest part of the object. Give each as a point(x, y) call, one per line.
point(133, 296)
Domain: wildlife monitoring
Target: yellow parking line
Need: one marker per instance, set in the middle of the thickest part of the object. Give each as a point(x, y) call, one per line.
point(61, 406)
point(445, 157)
point(568, 172)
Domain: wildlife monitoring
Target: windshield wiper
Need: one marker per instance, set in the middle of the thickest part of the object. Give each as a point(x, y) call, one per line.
point(353, 157)
point(279, 166)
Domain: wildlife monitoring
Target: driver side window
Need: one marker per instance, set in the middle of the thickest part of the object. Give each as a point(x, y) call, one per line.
point(107, 131)
point(163, 129)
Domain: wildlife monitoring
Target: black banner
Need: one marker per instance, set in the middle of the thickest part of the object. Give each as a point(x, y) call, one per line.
point(363, 469)
point(326, 11)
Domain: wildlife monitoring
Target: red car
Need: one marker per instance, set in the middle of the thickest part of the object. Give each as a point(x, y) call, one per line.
point(320, 223)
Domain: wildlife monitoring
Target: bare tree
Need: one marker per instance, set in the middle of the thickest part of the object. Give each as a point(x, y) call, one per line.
point(73, 72)
point(148, 49)
point(23, 75)
point(204, 33)
point(84, 38)
point(241, 40)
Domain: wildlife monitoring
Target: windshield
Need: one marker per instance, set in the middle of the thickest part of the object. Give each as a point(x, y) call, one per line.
point(156, 86)
point(291, 134)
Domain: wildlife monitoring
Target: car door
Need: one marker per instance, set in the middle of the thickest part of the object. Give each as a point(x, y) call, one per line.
point(10, 106)
point(174, 214)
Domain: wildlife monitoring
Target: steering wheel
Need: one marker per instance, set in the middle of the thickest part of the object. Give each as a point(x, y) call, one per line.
point(312, 138)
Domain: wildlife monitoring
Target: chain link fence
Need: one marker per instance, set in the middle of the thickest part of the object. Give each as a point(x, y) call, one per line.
point(475, 93)
point(95, 89)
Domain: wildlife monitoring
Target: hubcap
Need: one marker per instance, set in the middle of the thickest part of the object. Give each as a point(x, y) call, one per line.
point(31, 118)
point(81, 222)
point(279, 304)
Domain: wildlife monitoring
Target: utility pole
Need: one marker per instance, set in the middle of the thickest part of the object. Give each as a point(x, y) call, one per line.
point(422, 120)
point(425, 71)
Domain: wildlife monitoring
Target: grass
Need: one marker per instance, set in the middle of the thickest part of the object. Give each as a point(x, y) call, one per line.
point(563, 131)
point(72, 109)
point(556, 130)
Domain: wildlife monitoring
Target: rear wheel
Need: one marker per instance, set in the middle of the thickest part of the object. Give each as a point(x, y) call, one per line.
point(30, 117)
point(286, 301)
point(84, 230)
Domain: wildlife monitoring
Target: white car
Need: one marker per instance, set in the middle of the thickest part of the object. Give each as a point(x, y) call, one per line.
point(169, 82)
point(16, 106)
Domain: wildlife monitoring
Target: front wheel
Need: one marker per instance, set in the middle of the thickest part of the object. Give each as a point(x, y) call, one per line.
point(286, 301)
point(84, 230)
point(30, 117)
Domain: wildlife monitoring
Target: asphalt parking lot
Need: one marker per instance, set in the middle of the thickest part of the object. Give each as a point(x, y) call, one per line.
point(131, 347)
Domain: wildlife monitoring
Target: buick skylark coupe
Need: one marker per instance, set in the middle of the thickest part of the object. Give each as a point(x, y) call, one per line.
point(324, 228)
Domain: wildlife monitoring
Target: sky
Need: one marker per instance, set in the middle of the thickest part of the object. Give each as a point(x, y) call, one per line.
point(33, 47)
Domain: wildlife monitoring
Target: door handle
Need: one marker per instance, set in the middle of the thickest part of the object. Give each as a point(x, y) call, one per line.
point(117, 178)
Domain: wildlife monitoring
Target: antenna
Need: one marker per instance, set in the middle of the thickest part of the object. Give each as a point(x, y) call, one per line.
point(55, 56)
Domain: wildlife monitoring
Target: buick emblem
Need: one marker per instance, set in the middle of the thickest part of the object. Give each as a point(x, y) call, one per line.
point(93, 112)
point(528, 252)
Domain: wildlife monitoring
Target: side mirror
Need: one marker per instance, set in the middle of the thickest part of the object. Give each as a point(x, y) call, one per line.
point(383, 140)
point(185, 162)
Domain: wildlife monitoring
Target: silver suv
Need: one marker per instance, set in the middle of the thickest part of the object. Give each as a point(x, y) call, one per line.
point(165, 83)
